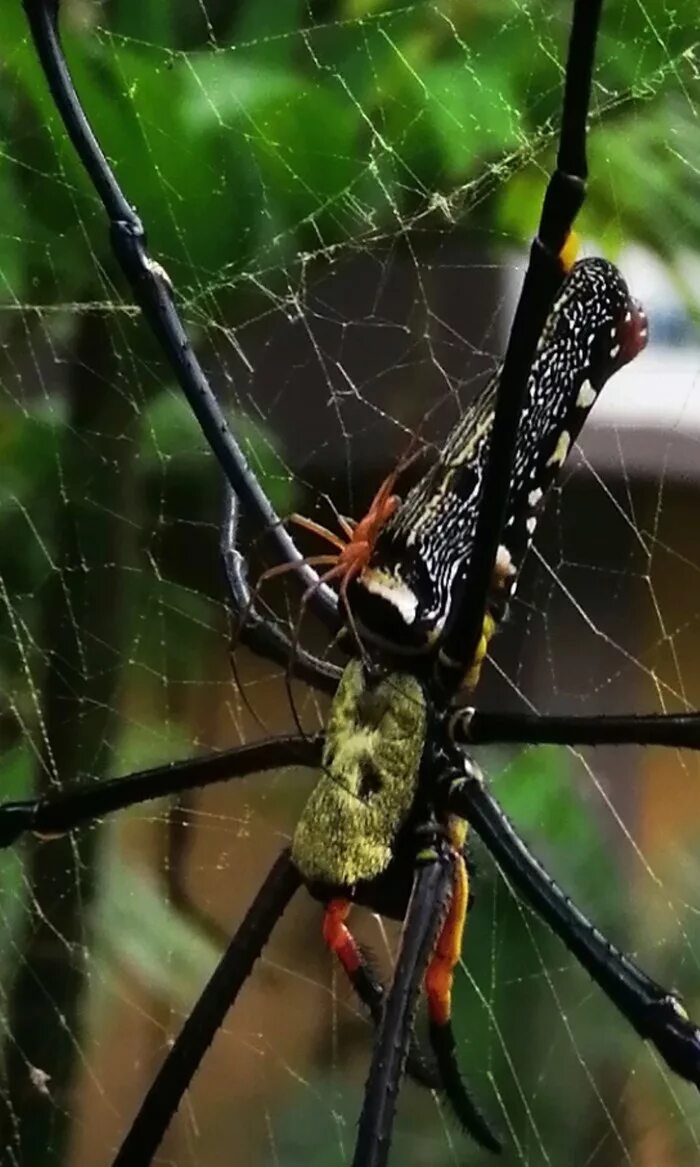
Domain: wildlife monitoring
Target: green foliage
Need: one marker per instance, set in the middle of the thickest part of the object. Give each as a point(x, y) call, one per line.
point(289, 139)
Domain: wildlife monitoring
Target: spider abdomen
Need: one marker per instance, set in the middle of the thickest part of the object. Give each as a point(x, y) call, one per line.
point(422, 554)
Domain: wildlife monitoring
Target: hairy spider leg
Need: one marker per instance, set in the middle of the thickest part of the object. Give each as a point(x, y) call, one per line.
point(439, 980)
point(177, 1071)
point(352, 556)
point(272, 573)
point(53, 816)
point(263, 634)
point(366, 984)
point(58, 813)
point(431, 889)
point(470, 726)
point(551, 256)
point(341, 942)
point(656, 1013)
point(154, 293)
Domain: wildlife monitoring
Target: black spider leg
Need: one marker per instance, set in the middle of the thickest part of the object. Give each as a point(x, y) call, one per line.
point(261, 634)
point(471, 1118)
point(370, 991)
point(655, 1013)
point(678, 730)
point(153, 292)
point(78, 807)
point(545, 273)
point(423, 920)
point(53, 816)
point(195, 1037)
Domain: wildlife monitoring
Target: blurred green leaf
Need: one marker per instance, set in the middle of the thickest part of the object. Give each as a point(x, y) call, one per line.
point(148, 937)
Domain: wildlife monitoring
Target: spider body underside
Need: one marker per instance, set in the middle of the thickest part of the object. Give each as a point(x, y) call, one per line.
point(386, 823)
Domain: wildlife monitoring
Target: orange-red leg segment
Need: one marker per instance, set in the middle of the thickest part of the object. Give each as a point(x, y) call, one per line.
point(339, 938)
point(440, 974)
point(438, 987)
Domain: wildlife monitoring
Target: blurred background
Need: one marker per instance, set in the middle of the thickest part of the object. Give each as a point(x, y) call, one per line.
point(342, 192)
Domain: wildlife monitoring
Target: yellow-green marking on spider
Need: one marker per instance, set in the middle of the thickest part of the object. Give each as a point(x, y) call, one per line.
point(374, 741)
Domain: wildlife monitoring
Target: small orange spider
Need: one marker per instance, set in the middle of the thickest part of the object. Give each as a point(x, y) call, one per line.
point(352, 553)
point(355, 551)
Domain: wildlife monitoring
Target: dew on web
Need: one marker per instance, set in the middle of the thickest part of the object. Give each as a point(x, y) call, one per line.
point(340, 195)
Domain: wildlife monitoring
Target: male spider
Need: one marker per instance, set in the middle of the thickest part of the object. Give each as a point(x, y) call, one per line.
point(386, 824)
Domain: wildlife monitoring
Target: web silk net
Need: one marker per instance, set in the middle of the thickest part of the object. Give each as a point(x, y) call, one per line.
point(341, 194)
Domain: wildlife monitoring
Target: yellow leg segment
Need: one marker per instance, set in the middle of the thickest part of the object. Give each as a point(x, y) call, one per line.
point(440, 974)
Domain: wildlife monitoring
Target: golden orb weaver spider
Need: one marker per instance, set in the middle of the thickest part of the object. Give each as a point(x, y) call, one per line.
point(442, 570)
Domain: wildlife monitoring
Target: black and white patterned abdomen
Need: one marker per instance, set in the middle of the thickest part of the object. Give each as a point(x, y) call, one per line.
point(421, 556)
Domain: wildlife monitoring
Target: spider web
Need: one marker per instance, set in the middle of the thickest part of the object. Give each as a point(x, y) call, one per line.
point(340, 193)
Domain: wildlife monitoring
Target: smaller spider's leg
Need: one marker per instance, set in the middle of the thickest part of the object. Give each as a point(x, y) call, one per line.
point(657, 1014)
point(335, 570)
point(318, 529)
point(367, 985)
point(271, 573)
point(431, 889)
point(154, 293)
point(438, 986)
point(262, 634)
point(679, 731)
point(207, 1017)
point(58, 813)
point(352, 572)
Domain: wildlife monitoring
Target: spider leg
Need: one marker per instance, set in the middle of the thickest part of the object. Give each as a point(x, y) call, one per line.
point(438, 986)
point(431, 889)
point(369, 989)
point(549, 261)
point(153, 291)
point(654, 1012)
point(321, 531)
point(63, 812)
point(677, 730)
point(195, 1037)
point(263, 635)
point(334, 571)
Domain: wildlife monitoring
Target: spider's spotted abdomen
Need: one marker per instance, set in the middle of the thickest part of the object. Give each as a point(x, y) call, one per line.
point(374, 742)
point(422, 554)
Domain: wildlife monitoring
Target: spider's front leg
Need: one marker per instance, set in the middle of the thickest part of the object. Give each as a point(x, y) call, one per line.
point(155, 295)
